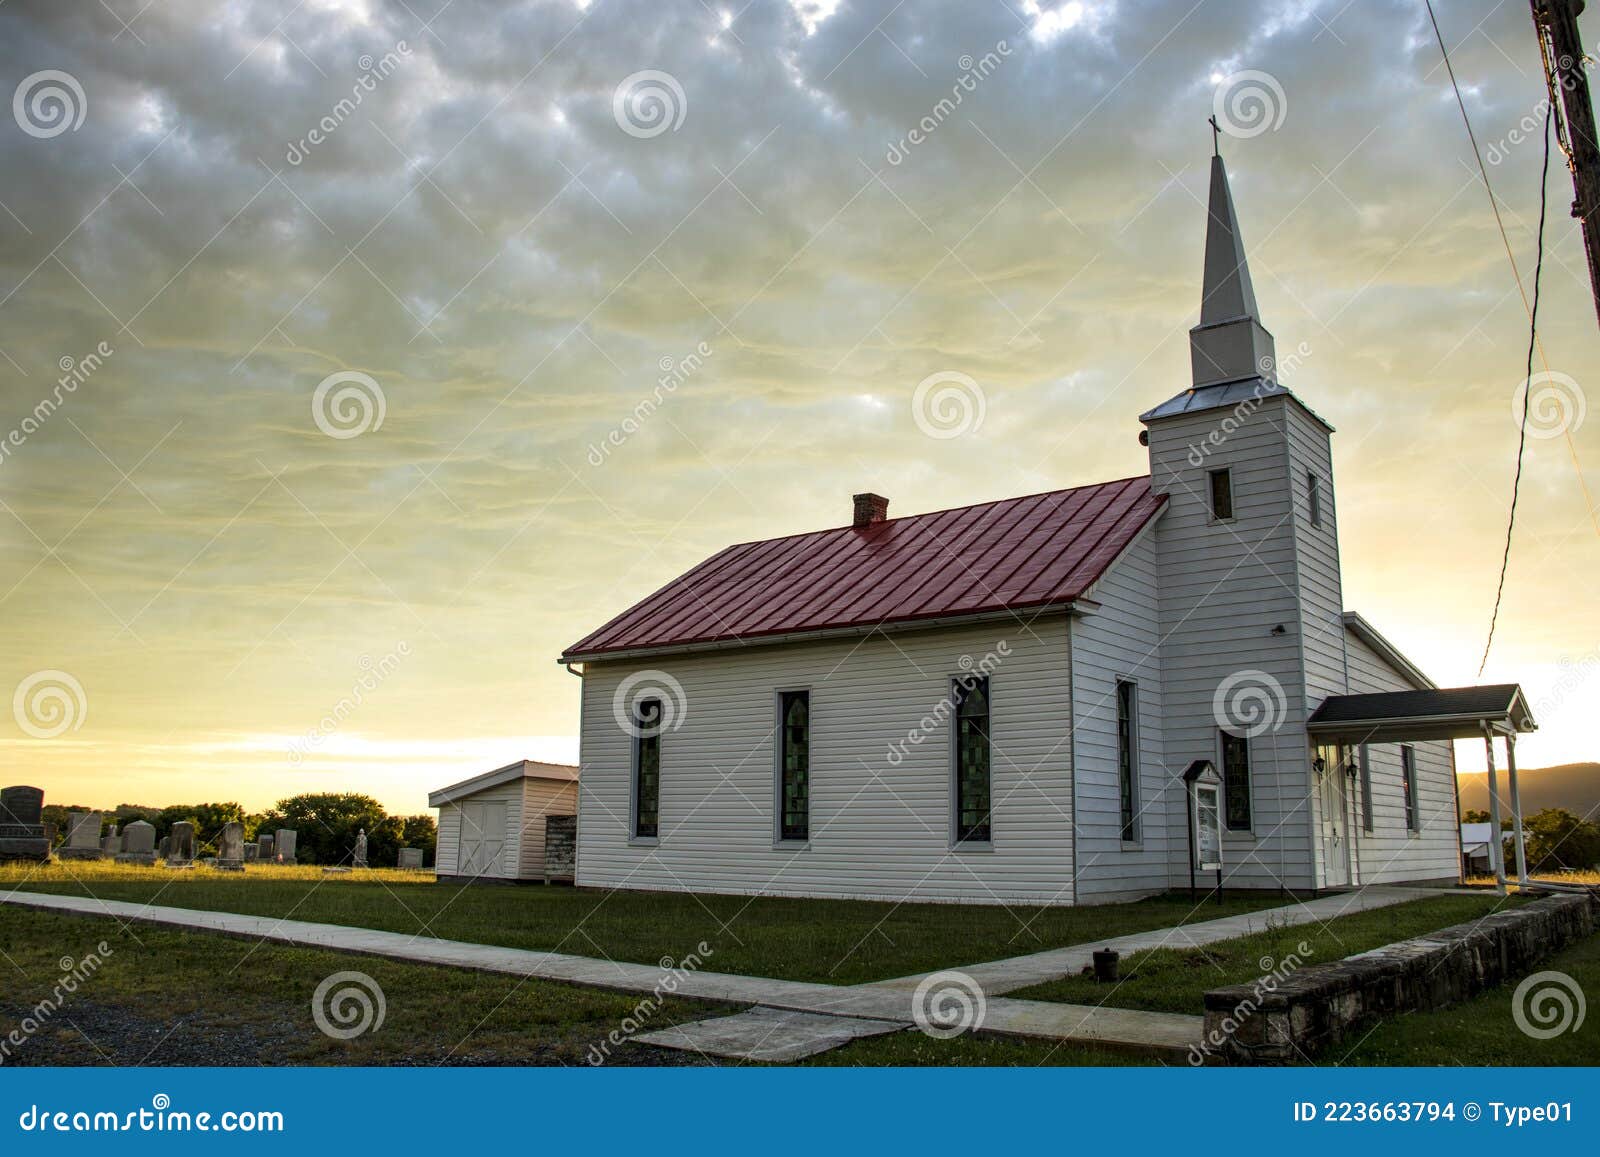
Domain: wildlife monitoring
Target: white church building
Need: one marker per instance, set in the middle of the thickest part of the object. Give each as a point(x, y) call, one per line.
point(998, 703)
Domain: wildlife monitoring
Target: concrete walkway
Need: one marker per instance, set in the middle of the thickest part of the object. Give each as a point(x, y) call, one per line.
point(765, 1031)
point(1000, 976)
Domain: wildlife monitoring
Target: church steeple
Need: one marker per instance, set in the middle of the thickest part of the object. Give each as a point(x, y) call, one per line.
point(1230, 343)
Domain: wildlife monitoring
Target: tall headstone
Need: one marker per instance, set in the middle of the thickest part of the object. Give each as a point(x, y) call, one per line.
point(138, 843)
point(411, 859)
point(83, 837)
point(361, 849)
point(264, 843)
point(180, 848)
point(230, 848)
point(283, 845)
point(22, 829)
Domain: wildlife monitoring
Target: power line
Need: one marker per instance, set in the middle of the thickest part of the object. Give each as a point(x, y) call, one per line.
point(1527, 390)
point(1532, 308)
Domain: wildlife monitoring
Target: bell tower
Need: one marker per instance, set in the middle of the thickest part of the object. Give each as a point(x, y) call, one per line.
point(1250, 599)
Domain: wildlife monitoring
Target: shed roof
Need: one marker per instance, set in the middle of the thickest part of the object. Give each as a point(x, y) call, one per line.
point(1030, 552)
point(521, 769)
point(1431, 713)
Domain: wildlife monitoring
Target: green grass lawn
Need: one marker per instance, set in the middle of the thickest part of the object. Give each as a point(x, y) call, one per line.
point(1176, 979)
point(167, 997)
point(170, 997)
point(829, 941)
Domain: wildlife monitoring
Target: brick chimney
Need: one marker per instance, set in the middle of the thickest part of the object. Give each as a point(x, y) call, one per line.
point(870, 508)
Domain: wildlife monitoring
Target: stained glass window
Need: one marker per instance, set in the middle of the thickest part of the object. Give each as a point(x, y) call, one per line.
point(972, 759)
point(647, 769)
point(795, 765)
point(1236, 781)
point(1127, 757)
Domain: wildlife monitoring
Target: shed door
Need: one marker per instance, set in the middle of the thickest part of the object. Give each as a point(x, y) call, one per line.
point(483, 837)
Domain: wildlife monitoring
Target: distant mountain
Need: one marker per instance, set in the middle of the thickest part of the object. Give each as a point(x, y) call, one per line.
point(1574, 786)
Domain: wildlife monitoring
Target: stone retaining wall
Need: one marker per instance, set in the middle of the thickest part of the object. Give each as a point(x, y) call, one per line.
point(1321, 1003)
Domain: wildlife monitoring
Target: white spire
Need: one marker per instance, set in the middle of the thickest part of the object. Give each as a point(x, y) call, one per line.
point(1230, 343)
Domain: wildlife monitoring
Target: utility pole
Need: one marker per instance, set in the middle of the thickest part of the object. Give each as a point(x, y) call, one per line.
point(1556, 22)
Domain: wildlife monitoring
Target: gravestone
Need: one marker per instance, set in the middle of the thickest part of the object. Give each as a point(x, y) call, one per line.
point(264, 848)
point(180, 844)
point(251, 851)
point(230, 848)
point(411, 858)
point(83, 837)
point(361, 849)
point(283, 845)
point(138, 843)
point(163, 847)
point(23, 835)
point(560, 848)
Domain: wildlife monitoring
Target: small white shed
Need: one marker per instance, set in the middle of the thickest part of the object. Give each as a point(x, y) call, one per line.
point(491, 827)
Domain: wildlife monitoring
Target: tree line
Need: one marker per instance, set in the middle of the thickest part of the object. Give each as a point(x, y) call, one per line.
point(325, 824)
point(1554, 839)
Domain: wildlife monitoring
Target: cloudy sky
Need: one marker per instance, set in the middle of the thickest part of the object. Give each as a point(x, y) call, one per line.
point(495, 237)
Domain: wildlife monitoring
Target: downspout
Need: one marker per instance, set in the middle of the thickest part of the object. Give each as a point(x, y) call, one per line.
point(1072, 748)
point(577, 822)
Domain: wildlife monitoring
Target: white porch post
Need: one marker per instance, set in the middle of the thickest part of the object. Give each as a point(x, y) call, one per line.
point(1497, 852)
point(1516, 808)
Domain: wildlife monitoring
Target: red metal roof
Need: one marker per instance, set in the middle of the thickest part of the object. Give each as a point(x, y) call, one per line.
point(1033, 551)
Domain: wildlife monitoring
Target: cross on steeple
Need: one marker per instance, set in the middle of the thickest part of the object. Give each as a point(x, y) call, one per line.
point(1216, 135)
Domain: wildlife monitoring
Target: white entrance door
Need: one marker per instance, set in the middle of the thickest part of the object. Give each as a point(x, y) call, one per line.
point(1335, 822)
point(483, 837)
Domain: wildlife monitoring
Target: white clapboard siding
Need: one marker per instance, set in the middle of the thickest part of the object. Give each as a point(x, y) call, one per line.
point(1224, 587)
point(541, 798)
point(1120, 640)
point(1390, 853)
point(879, 828)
